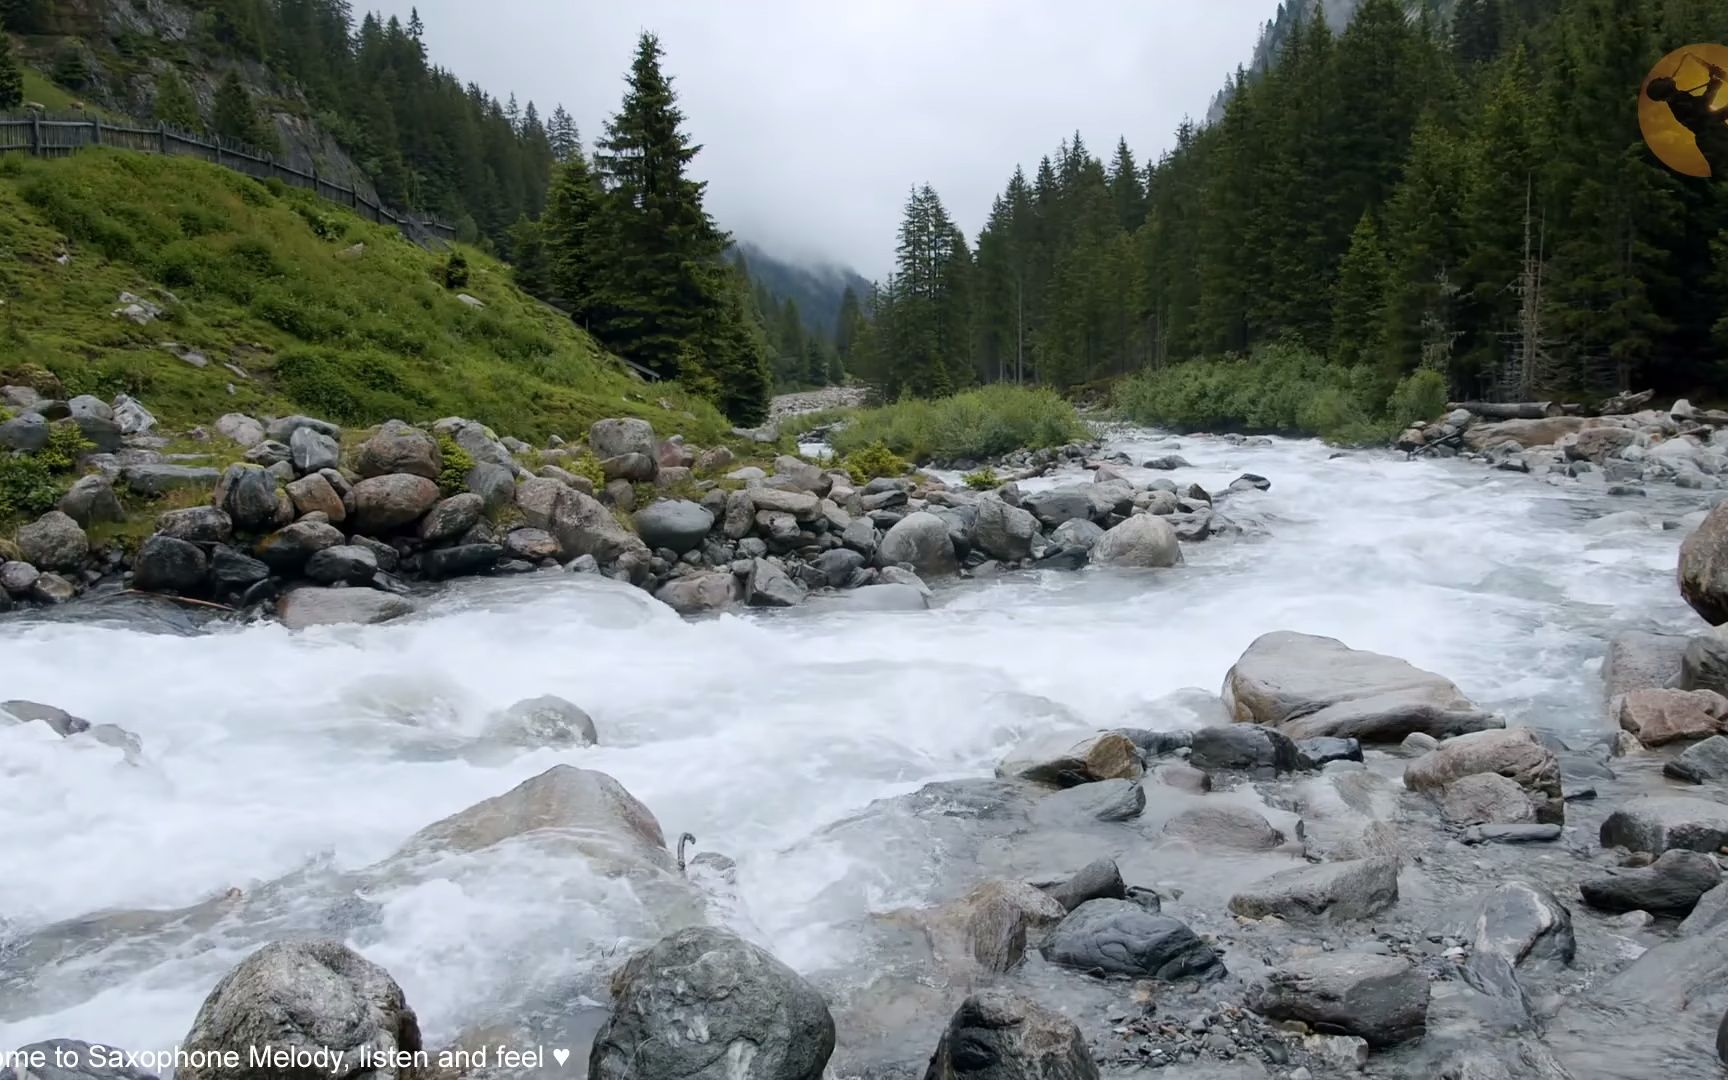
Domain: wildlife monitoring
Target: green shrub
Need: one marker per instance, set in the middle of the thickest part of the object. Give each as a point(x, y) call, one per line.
point(586, 464)
point(984, 479)
point(1420, 395)
point(455, 271)
point(869, 462)
point(981, 423)
point(65, 443)
point(27, 486)
point(455, 464)
point(1281, 389)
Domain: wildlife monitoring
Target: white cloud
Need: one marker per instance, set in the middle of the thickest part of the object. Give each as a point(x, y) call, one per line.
point(816, 118)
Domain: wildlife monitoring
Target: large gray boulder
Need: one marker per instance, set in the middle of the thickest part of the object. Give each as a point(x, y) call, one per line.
point(1243, 747)
point(1099, 800)
point(1672, 885)
point(698, 594)
point(1514, 753)
point(1144, 541)
point(450, 518)
point(1077, 533)
point(383, 504)
point(311, 451)
point(770, 586)
point(676, 524)
point(247, 494)
point(154, 480)
point(547, 720)
point(342, 564)
point(197, 524)
point(1308, 686)
point(240, 428)
point(704, 1004)
point(584, 527)
point(1640, 661)
point(1352, 889)
point(1068, 759)
point(287, 551)
point(1703, 569)
point(90, 500)
point(1053, 506)
point(1658, 823)
point(400, 448)
point(998, 1035)
point(1661, 716)
point(1120, 937)
point(306, 998)
point(921, 540)
point(1523, 924)
point(1487, 799)
point(613, 438)
point(1701, 762)
point(27, 433)
point(54, 542)
point(1703, 664)
point(987, 929)
point(1002, 531)
point(310, 606)
point(166, 564)
point(283, 429)
point(315, 494)
point(1383, 999)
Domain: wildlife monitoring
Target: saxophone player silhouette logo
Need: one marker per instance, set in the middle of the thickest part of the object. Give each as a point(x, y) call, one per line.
point(1683, 110)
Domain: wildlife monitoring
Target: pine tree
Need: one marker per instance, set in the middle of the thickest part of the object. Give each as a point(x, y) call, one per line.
point(562, 134)
point(11, 78)
point(234, 116)
point(567, 238)
point(1126, 190)
point(1358, 302)
point(659, 292)
point(174, 104)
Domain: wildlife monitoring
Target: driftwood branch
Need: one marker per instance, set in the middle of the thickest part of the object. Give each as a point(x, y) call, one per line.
point(178, 599)
point(1508, 410)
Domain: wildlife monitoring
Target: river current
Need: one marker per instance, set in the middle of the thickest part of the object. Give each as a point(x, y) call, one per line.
point(276, 763)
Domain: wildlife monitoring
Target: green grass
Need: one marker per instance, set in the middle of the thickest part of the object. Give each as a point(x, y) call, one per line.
point(977, 424)
point(1281, 390)
point(57, 100)
point(254, 272)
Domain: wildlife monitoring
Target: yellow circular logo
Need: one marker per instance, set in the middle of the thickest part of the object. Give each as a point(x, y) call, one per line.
point(1683, 110)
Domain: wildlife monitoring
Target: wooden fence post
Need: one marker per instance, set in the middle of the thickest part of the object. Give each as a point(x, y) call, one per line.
point(36, 133)
point(96, 131)
point(162, 136)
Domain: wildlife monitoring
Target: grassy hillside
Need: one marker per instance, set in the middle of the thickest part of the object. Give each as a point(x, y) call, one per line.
point(253, 274)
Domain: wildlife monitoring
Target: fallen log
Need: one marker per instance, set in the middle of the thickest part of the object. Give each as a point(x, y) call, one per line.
point(1623, 403)
point(1508, 410)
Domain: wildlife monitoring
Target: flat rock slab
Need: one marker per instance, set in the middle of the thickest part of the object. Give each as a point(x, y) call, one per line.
point(1234, 828)
point(1103, 800)
point(1661, 716)
point(1658, 823)
point(1353, 889)
point(1119, 937)
point(310, 606)
point(1309, 687)
point(1701, 762)
point(1512, 834)
point(1383, 999)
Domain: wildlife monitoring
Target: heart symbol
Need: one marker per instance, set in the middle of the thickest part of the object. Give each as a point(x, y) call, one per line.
point(560, 1055)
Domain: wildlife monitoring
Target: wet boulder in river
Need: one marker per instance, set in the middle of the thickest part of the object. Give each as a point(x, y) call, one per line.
point(1243, 747)
point(1672, 885)
point(755, 1016)
point(547, 720)
point(383, 504)
point(1308, 686)
point(1658, 823)
point(1515, 753)
point(1383, 999)
point(1101, 800)
point(312, 606)
point(1639, 661)
point(1701, 762)
point(1704, 664)
point(1120, 937)
point(1353, 889)
point(998, 1035)
point(1097, 880)
point(1523, 923)
point(921, 540)
point(1660, 716)
point(1223, 826)
point(1143, 541)
point(1487, 799)
point(1003, 531)
point(1066, 760)
point(1703, 569)
point(989, 926)
point(305, 997)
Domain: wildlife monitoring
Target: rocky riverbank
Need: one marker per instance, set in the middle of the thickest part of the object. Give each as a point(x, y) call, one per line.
point(1621, 451)
point(319, 525)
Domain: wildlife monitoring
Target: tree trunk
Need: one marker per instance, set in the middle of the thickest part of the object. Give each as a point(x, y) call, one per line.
point(1508, 410)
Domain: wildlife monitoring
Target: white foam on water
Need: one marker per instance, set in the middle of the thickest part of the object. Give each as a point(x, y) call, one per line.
point(266, 751)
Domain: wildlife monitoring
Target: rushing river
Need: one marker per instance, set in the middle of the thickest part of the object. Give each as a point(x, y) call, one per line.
point(277, 762)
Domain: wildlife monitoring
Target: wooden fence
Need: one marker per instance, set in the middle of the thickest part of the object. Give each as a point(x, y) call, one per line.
point(45, 136)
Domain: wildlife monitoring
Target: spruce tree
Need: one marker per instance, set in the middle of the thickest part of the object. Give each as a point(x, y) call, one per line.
point(1358, 302)
point(1126, 190)
point(11, 78)
point(660, 293)
point(233, 115)
point(567, 239)
point(174, 103)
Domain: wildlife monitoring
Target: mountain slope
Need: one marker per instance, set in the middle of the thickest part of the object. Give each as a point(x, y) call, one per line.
point(816, 289)
point(268, 279)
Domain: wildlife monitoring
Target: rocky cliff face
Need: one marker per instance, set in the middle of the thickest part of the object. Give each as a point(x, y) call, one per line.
point(128, 45)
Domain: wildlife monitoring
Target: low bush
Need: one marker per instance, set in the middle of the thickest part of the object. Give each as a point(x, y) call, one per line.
point(1283, 390)
point(867, 463)
point(455, 464)
point(984, 479)
point(982, 423)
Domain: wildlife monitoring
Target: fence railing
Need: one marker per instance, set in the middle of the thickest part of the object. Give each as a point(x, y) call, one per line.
point(45, 136)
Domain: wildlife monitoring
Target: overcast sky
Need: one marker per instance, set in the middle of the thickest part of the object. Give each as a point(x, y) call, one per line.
point(816, 117)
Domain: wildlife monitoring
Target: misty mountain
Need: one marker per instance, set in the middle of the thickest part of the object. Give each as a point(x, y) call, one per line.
point(815, 288)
